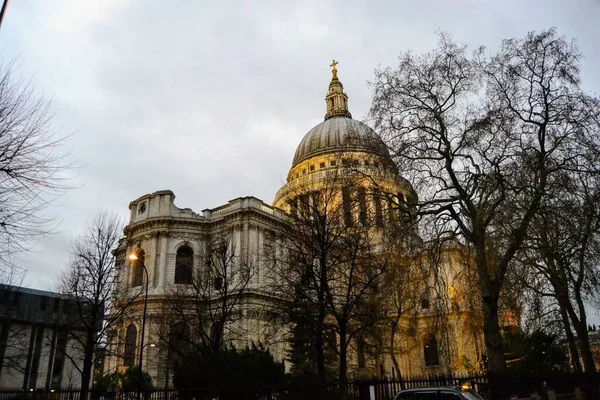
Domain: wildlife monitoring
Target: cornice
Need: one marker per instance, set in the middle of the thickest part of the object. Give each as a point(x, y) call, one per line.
point(170, 225)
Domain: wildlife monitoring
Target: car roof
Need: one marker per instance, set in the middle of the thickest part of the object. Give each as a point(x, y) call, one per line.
point(429, 388)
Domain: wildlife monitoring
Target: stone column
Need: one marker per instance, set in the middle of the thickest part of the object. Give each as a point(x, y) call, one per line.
point(155, 269)
point(164, 236)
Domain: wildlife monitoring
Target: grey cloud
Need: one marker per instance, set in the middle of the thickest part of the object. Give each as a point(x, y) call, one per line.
point(209, 99)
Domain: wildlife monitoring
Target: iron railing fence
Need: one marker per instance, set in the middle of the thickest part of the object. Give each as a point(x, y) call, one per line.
point(363, 388)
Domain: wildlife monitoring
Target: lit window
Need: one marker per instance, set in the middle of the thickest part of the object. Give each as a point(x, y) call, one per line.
point(138, 269)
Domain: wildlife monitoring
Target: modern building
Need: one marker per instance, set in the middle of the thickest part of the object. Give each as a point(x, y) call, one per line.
point(37, 350)
point(171, 243)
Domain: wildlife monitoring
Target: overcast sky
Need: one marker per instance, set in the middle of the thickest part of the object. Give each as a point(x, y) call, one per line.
point(210, 99)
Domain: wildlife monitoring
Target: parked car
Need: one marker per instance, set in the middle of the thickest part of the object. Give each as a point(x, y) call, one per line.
point(438, 393)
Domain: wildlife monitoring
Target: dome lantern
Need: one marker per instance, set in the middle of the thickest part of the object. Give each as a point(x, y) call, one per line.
point(336, 99)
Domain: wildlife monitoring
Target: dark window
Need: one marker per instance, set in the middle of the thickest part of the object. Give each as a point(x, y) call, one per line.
point(293, 207)
point(425, 300)
point(4, 329)
point(178, 337)
point(56, 306)
point(216, 335)
point(362, 202)
point(425, 396)
point(318, 204)
point(218, 283)
point(322, 165)
point(378, 210)
point(312, 167)
point(130, 345)
point(15, 299)
point(390, 208)
point(303, 171)
point(347, 204)
point(35, 359)
point(304, 205)
point(332, 338)
point(360, 348)
point(184, 265)
point(332, 163)
point(449, 396)
point(430, 349)
point(366, 163)
point(138, 269)
point(59, 360)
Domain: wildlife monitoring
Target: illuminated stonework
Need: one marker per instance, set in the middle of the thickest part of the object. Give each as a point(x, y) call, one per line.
point(341, 143)
point(164, 233)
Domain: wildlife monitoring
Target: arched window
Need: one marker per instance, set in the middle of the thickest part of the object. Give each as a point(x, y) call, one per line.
point(179, 335)
point(216, 334)
point(362, 203)
point(184, 262)
point(130, 345)
point(347, 205)
point(138, 269)
point(430, 349)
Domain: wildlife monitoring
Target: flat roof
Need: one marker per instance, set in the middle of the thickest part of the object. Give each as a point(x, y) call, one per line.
point(35, 292)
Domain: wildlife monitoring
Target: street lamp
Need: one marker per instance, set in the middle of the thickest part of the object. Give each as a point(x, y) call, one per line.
point(134, 257)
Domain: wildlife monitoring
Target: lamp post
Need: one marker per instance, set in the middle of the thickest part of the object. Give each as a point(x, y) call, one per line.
point(134, 257)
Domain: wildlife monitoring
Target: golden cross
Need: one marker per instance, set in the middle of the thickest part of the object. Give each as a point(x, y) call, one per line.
point(334, 70)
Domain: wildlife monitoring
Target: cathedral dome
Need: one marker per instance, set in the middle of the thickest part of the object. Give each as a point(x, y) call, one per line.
point(339, 134)
point(324, 154)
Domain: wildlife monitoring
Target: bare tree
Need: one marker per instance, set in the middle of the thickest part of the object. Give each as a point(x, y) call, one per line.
point(564, 250)
point(331, 247)
point(202, 312)
point(403, 291)
point(32, 167)
point(90, 281)
point(482, 138)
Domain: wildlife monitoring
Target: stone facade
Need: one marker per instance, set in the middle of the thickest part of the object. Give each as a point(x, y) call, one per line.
point(158, 230)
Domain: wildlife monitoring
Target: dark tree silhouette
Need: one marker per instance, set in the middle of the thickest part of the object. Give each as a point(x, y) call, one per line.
point(483, 139)
point(90, 281)
point(32, 168)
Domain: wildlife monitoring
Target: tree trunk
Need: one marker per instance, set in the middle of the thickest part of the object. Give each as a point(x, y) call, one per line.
point(393, 353)
point(490, 293)
point(491, 334)
point(586, 352)
point(320, 347)
point(343, 371)
point(88, 361)
point(580, 325)
point(570, 338)
point(319, 339)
